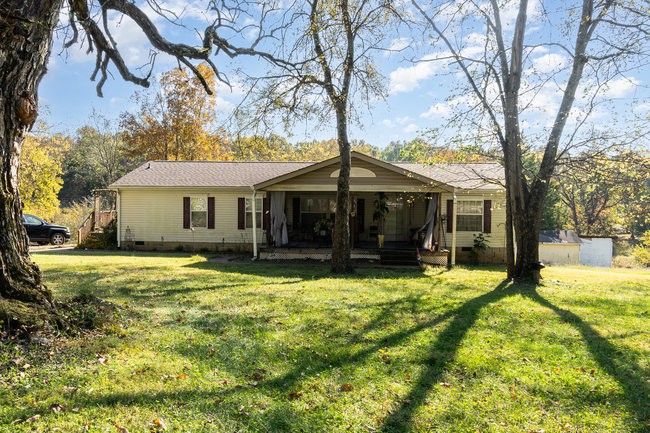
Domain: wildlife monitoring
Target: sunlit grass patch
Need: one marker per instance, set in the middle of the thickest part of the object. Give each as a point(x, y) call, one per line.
point(209, 346)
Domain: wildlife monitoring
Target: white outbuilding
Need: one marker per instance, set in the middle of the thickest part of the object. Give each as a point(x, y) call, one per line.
point(559, 247)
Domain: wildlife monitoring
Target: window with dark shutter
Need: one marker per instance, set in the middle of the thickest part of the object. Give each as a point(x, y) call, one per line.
point(241, 213)
point(186, 212)
point(450, 216)
point(211, 212)
point(487, 216)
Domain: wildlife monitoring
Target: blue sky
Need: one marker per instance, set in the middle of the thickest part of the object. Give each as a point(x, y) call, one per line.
point(418, 95)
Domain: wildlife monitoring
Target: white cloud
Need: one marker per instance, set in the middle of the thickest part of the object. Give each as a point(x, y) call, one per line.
point(549, 62)
point(398, 44)
point(394, 123)
point(411, 128)
point(621, 87)
point(436, 111)
point(642, 108)
point(407, 79)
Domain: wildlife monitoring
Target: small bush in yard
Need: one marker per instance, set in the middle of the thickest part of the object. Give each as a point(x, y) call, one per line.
point(641, 252)
point(107, 240)
point(628, 262)
point(642, 255)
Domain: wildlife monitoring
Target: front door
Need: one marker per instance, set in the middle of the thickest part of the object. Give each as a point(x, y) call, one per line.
point(396, 220)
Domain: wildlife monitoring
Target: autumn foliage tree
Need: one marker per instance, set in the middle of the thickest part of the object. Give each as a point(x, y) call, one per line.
point(176, 121)
point(598, 190)
point(26, 35)
point(40, 172)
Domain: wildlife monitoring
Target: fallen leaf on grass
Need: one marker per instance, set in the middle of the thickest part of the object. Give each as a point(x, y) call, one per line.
point(445, 384)
point(120, 428)
point(70, 389)
point(182, 376)
point(158, 424)
point(56, 407)
point(33, 418)
point(346, 387)
point(295, 395)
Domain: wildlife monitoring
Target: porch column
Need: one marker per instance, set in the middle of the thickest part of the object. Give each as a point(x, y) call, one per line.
point(98, 201)
point(254, 226)
point(118, 206)
point(453, 229)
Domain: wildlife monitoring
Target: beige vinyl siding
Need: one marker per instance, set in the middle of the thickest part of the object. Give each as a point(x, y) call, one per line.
point(323, 178)
point(559, 254)
point(497, 238)
point(156, 215)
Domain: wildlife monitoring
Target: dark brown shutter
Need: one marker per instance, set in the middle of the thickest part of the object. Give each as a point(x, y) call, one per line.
point(210, 212)
point(361, 214)
point(241, 213)
point(266, 214)
point(487, 216)
point(450, 216)
point(296, 212)
point(186, 213)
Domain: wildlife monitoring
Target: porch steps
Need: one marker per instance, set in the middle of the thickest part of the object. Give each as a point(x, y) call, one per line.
point(398, 257)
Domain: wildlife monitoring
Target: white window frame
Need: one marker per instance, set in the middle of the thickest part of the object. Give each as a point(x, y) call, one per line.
point(199, 205)
point(462, 211)
point(248, 212)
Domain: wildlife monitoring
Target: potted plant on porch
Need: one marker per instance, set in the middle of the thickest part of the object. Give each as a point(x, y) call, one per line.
point(381, 209)
point(323, 229)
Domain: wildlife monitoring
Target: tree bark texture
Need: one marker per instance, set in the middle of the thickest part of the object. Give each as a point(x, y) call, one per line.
point(341, 262)
point(26, 30)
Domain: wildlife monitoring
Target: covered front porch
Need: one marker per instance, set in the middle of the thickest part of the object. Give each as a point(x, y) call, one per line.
point(391, 209)
point(301, 226)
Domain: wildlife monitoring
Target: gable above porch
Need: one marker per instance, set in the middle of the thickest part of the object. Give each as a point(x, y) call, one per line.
point(366, 174)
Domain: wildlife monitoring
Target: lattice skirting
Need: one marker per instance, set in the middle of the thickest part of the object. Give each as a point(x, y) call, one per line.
point(313, 254)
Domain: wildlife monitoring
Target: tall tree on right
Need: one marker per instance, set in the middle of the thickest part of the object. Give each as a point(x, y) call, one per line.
point(508, 66)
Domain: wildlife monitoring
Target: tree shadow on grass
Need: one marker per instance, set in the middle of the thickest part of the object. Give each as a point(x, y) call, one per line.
point(307, 271)
point(442, 353)
point(623, 368)
point(618, 364)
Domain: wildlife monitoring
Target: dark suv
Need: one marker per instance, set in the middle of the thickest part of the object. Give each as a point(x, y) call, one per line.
point(42, 232)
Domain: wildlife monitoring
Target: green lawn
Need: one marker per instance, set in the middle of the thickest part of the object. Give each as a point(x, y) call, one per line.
point(203, 346)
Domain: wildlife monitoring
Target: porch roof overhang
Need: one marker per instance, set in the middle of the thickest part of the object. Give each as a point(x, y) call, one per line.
point(426, 184)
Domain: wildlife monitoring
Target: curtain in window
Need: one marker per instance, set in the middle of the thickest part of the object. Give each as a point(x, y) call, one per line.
point(430, 224)
point(279, 234)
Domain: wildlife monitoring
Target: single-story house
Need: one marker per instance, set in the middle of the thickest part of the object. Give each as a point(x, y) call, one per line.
point(270, 207)
point(559, 247)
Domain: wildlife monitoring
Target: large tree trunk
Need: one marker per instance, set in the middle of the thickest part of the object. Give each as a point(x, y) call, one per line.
point(26, 30)
point(341, 262)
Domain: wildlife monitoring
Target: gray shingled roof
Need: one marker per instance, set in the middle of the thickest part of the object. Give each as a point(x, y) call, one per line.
point(205, 173)
point(245, 174)
point(475, 175)
point(559, 237)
